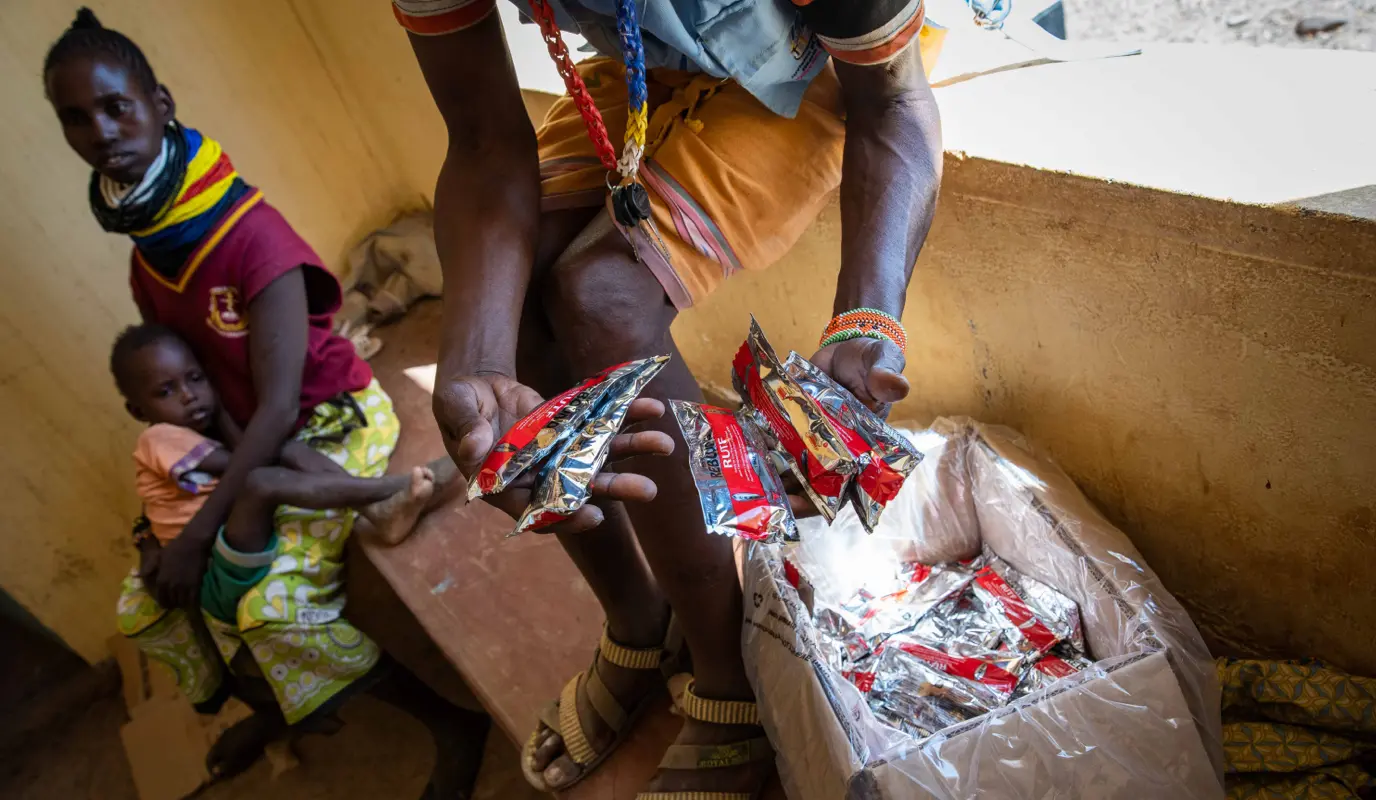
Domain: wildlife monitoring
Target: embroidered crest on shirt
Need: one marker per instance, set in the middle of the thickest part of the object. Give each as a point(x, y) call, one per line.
point(226, 317)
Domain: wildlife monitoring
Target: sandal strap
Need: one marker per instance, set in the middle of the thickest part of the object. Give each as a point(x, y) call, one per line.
point(576, 744)
point(716, 756)
point(719, 712)
point(629, 657)
point(604, 702)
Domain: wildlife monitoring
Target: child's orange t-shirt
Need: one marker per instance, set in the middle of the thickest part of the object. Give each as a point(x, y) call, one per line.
point(165, 474)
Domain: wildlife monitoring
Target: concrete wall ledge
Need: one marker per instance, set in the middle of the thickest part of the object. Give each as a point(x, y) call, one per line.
point(1248, 125)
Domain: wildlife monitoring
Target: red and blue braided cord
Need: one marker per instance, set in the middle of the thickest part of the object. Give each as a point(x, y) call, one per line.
point(633, 52)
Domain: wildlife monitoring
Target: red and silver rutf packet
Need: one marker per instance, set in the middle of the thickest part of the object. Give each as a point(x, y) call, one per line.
point(741, 495)
point(813, 447)
point(1059, 663)
point(869, 620)
point(885, 456)
point(564, 483)
point(531, 440)
point(962, 628)
point(907, 666)
point(1035, 617)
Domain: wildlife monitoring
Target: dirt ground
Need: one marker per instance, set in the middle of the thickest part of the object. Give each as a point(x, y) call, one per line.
point(1258, 22)
point(380, 753)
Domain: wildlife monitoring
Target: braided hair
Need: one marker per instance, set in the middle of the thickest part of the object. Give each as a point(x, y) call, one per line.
point(87, 37)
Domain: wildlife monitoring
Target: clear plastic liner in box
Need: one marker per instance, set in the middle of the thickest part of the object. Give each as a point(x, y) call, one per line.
point(1141, 721)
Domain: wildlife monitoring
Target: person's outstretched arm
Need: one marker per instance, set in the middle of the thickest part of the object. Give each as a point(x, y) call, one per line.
point(890, 176)
point(277, 319)
point(487, 216)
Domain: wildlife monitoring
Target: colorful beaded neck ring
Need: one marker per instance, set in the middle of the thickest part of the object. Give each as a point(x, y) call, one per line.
point(630, 200)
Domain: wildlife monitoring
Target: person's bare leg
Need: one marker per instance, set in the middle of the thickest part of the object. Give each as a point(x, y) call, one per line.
point(606, 308)
point(458, 734)
point(249, 527)
point(607, 556)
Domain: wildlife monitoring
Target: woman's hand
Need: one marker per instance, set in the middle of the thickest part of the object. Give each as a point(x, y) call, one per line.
point(871, 369)
point(182, 563)
point(150, 554)
point(474, 411)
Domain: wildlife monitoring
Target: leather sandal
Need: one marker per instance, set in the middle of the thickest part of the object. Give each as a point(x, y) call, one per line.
point(561, 715)
point(715, 756)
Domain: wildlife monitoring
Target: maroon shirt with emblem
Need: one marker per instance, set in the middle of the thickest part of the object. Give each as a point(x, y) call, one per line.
point(207, 305)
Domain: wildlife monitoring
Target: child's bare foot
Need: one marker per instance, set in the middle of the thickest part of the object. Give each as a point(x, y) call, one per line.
point(445, 472)
point(395, 517)
point(239, 747)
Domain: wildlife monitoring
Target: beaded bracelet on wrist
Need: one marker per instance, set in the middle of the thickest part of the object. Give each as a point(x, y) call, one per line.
point(865, 323)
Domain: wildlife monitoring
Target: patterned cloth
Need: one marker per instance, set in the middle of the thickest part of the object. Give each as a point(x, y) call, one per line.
point(210, 187)
point(291, 620)
point(1297, 729)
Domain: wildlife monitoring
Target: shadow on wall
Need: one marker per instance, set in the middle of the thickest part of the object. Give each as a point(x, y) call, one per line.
point(32, 658)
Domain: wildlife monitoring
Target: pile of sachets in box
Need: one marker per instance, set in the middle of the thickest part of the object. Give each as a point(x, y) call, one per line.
point(940, 644)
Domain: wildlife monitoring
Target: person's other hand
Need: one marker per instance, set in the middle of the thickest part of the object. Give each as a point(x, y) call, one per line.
point(798, 501)
point(872, 369)
point(474, 411)
point(181, 565)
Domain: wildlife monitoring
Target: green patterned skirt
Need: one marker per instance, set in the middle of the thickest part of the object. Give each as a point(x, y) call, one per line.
point(291, 621)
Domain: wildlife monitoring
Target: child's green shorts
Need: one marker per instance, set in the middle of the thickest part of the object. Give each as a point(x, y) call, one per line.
point(230, 575)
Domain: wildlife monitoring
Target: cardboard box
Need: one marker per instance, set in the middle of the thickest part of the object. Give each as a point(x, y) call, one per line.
point(1143, 722)
point(166, 741)
point(166, 746)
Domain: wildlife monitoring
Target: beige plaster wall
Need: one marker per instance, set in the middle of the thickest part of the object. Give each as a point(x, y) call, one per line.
point(1205, 371)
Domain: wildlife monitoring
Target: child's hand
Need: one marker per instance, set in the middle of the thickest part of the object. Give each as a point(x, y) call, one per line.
point(181, 565)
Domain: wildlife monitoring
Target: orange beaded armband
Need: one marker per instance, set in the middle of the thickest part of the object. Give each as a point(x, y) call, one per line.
point(865, 323)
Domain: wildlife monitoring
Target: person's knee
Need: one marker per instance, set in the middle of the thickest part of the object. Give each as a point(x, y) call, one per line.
point(606, 303)
point(262, 483)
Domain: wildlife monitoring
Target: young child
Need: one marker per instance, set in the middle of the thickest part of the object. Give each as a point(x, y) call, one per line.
point(186, 447)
